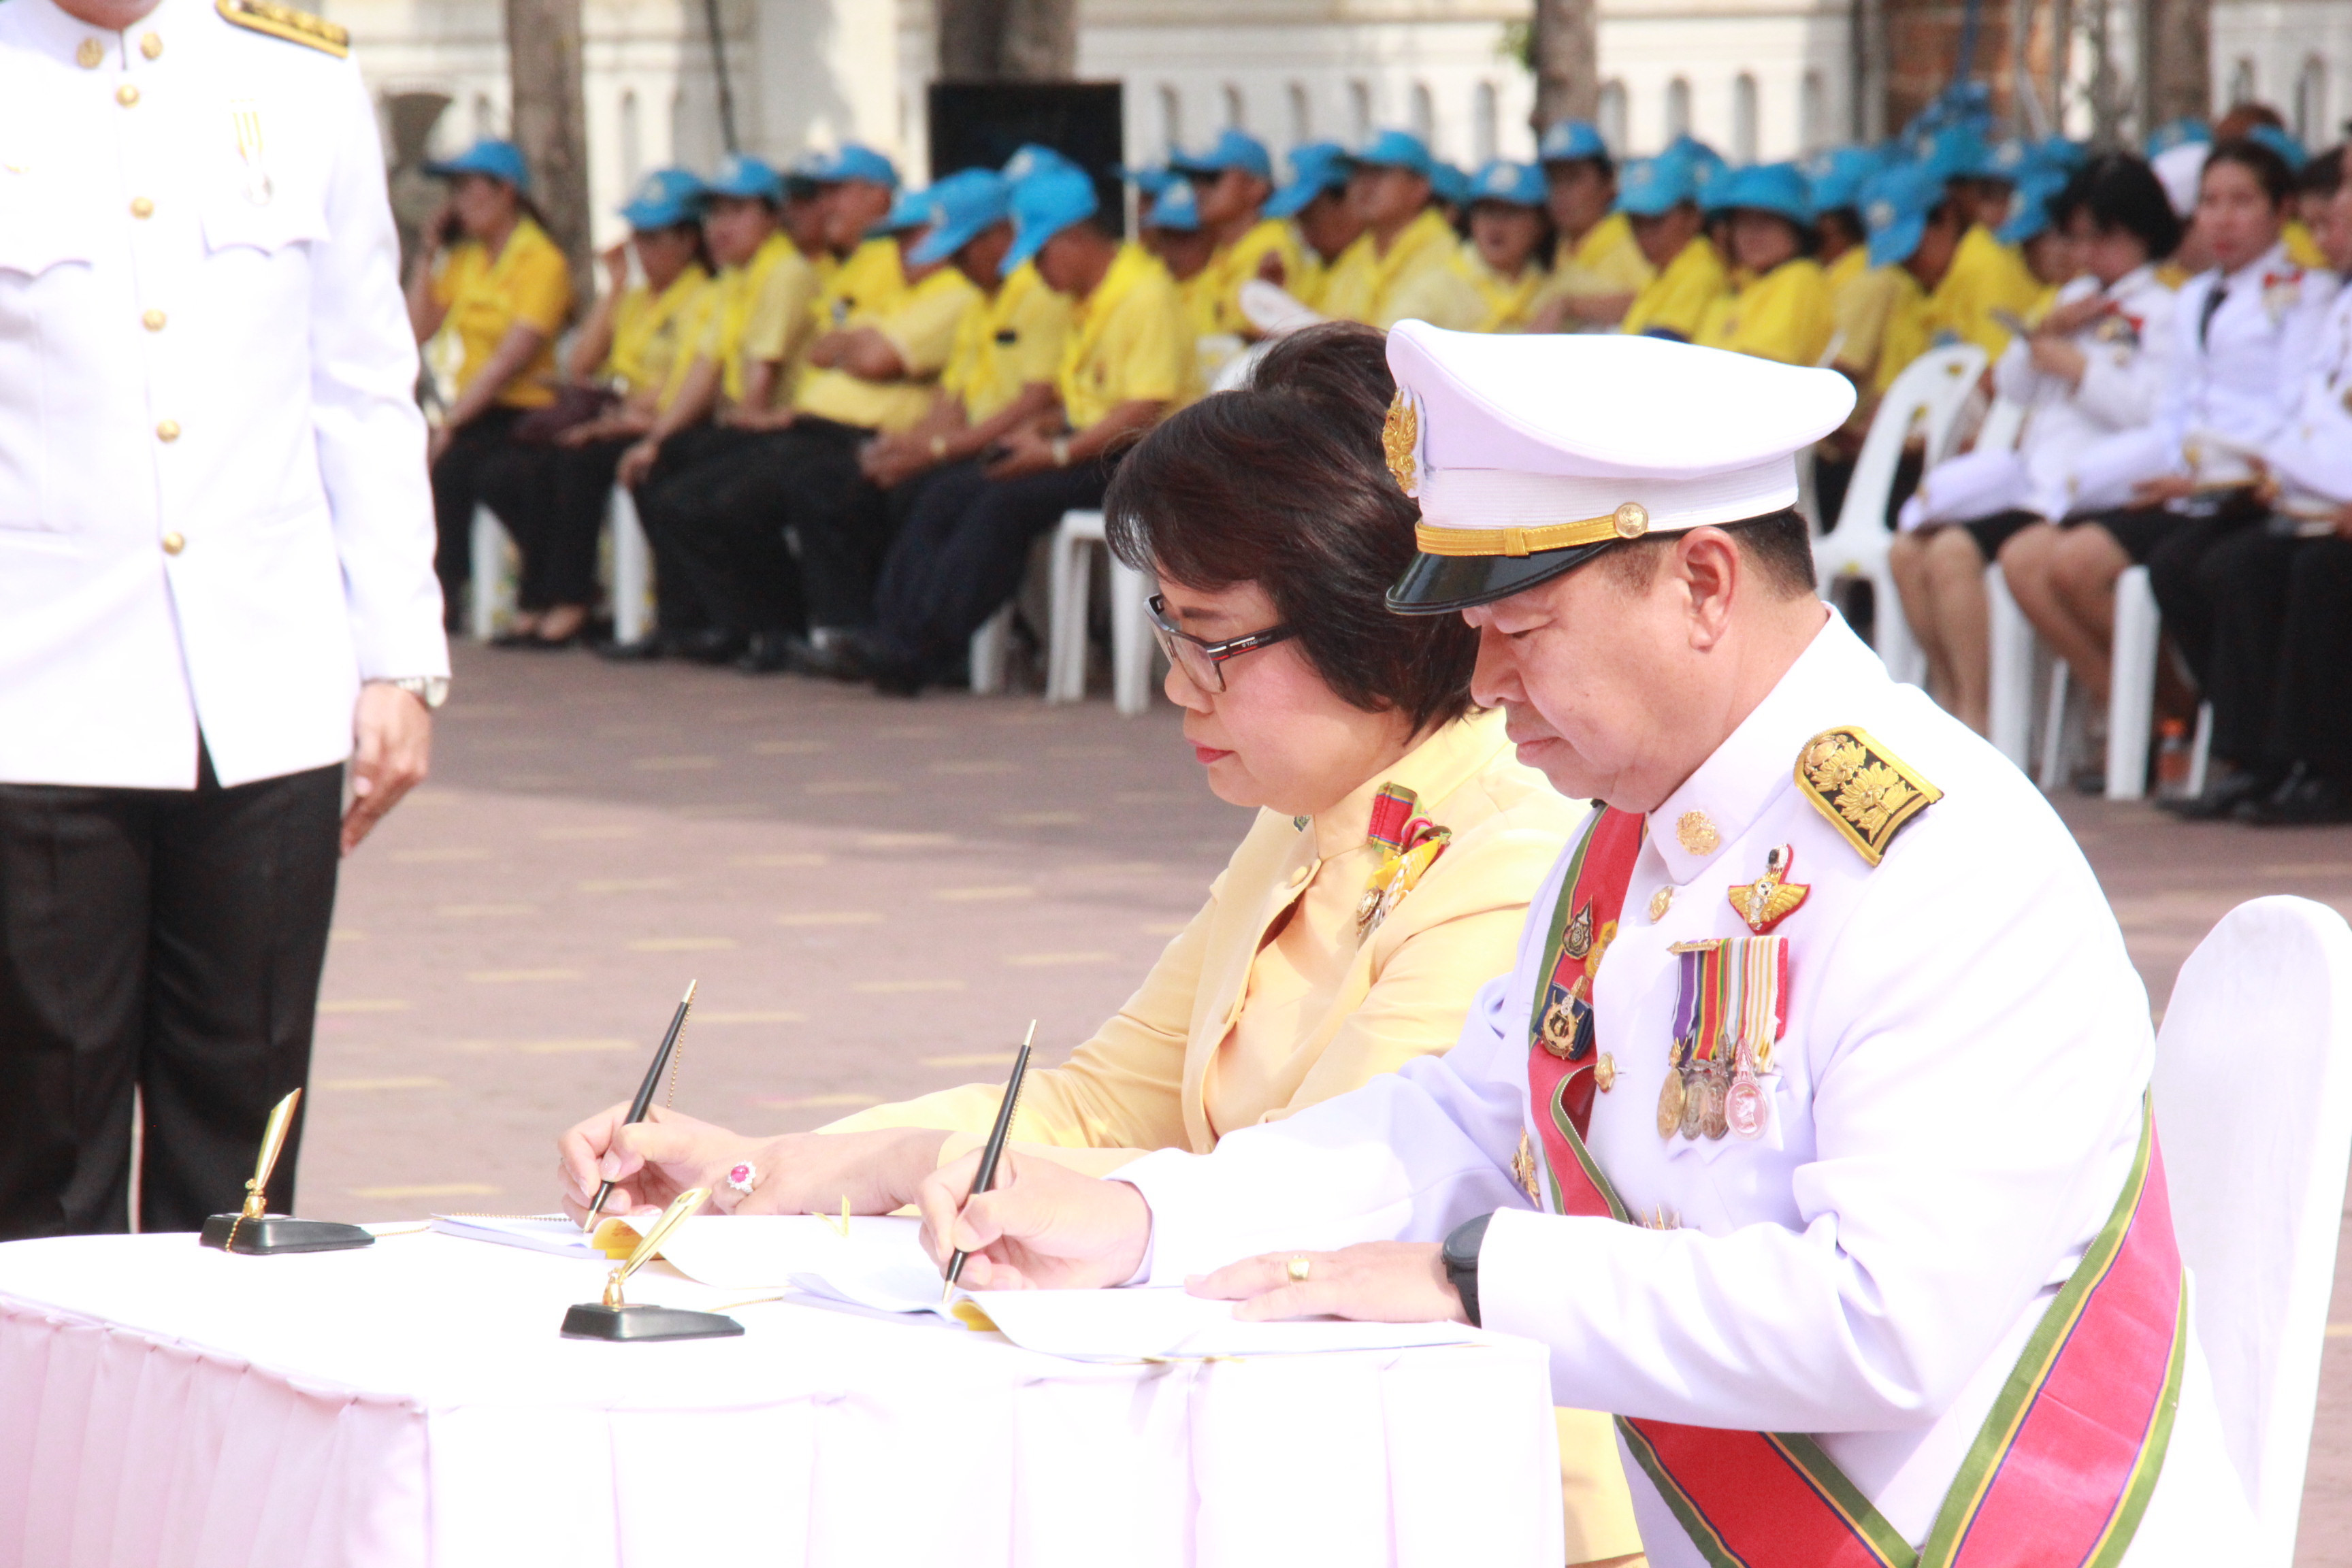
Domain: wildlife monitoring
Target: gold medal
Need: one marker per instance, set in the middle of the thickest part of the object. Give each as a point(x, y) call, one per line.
point(1670, 1102)
point(1605, 1073)
point(1557, 1036)
point(1693, 1102)
point(1712, 1119)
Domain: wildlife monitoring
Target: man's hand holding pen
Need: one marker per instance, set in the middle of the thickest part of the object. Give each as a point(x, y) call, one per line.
point(653, 1161)
point(1041, 1227)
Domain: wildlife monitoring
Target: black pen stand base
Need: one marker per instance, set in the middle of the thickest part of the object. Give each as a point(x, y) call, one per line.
point(281, 1233)
point(593, 1320)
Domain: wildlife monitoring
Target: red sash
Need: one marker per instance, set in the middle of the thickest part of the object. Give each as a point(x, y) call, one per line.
point(2068, 1457)
point(1584, 922)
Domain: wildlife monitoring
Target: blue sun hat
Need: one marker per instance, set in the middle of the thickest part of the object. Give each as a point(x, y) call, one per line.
point(850, 161)
point(1233, 148)
point(1315, 167)
point(1569, 140)
point(1895, 205)
point(2178, 134)
point(908, 211)
point(745, 178)
point(1449, 183)
point(1178, 210)
point(1030, 157)
point(1835, 178)
point(960, 209)
point(664, 199)
point(1647, 187)
point(2280, 143)
point(1397, 149)
point(499, 161)
point(1775, 188)
point(1043, 205)
point(2029, 210)
point(1500, 180)
point(1152, 182)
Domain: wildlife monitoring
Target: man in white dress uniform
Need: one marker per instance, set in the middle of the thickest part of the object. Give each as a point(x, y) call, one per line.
point(1832, 1181)
point(216, 581)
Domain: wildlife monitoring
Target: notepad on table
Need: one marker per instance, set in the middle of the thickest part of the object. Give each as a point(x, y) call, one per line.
point(539, 1232)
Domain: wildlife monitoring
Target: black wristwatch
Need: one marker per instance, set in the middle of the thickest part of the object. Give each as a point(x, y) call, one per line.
point(1461, 1254)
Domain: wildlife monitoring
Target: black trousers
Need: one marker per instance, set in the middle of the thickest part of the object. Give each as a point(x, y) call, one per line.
point(2311, 712)
point(553, 500)
point(168, 940)
point(457, 486)
point(717, 524)
point(838, 521)
point(963, 552)
point(2181, 569)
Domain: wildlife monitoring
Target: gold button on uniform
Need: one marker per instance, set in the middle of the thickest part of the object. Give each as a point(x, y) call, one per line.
point(1660, 902)
point(89, 55)
point(168, 431)
point(151, 46)
point(173, 545)
point(126, 95)
point(153, 320)
point(141, 207)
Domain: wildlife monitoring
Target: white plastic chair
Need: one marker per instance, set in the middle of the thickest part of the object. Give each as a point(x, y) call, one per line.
point(1931, 391)
point(633, 570)
point(2010, 690)
point(987, 651)
point(1131, 647)
point(497, 564)
point(2256, 1177)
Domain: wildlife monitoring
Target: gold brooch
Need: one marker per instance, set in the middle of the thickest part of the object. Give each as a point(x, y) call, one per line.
point(1694, 833)
point(1399, 438)
point(1770, 898)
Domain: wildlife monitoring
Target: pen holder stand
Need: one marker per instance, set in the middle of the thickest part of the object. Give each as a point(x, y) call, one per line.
point(278, 1233)
point(594, 1321)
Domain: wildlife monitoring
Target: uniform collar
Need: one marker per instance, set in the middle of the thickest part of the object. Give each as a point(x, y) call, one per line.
point(44, 26)
point(1758, 760)
point(1432, 771)
point(41, 25)
point(2132, 282)
point(2271, 261)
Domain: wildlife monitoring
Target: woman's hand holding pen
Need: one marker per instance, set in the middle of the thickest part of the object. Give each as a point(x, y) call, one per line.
point(655, 1160)
point(1042, 1226)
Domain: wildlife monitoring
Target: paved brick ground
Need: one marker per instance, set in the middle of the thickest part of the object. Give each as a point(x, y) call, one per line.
point(877, 898)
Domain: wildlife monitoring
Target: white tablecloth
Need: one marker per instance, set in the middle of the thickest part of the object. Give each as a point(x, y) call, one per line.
point(413, 1404)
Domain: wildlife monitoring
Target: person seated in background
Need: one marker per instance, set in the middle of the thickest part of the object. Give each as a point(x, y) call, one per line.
point(1316, 205)
point(1597, 267)
point(1492, 280)
point(1128, 362)
point(1397, 843)
point(760, 318)
point(2093, 368)
point(2278, 597)
point(1660, 195)
point(1231, 182)
point(1404, 234)
point(1174, 235)
point(1987, 280)
point(488, 295)
point(797, 482)
point(856, 186)
point(1782, 308)
point(2242, 331)
point(635, 346)
point(2316, 181)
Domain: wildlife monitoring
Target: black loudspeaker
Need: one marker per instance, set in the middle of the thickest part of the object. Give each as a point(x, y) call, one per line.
point(979, 124)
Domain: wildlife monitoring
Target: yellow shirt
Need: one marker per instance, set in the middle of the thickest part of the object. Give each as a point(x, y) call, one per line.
point(759, 313)
point(1985, 276)
point(1465, 295)
point(1910, 329)
point(1364, 284)
point(1865, 299)
point(2301, 247)
point(1128, 341)
point(1675, 303)
point(1785, 315)
point(1012, 340)
point(1307, 278)
point(1606, 261)
point(870, 278)
point(1219, 288)
point(651, 333)
point(526, 284)
point(922, 325)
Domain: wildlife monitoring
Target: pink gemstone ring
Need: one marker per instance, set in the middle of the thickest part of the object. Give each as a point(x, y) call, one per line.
point(743, 1178)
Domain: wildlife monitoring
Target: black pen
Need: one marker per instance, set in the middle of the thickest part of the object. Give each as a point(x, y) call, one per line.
point(985, 1177)
point(644, 1099)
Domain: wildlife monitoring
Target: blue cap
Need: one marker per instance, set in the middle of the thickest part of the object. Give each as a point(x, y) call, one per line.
point(1449, 183)
point(1776, 188)
point(1315, 167)
point(1954, 153)
point(910, 210)
point(1705, 164)
point(2028, 209)
point(2011, 159)
point(1032, 156)
point(1233, 148)
point(2058, 153)
point(960, 209)
point(1836, 177)
point(1043, 205)
point(663, 199)
point(2178, 134)
point(1150, 181)
point(1396, 150)
point(1176, 209)
point(850, 161)
point(1569, 139)
point(2280, 143)
point(1500, 180)
point(1649, 186)
point(741, 175)
point(1895, 208)
point(499, 160)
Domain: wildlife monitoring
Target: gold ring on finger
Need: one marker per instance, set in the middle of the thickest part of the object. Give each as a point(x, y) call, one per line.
point(1298, 1268)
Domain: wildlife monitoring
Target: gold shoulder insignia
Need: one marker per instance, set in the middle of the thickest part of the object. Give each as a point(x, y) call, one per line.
point(1868, 793)
point(287, 23)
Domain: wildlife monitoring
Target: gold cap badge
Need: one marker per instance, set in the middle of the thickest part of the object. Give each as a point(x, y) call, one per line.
point(1631, 519)
point(1400, 441)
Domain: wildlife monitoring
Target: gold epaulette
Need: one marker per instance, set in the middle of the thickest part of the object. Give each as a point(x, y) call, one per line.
point(1868, 793)
point(287, 23)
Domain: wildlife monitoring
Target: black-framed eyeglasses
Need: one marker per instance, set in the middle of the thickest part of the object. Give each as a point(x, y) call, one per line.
point(1202, 660)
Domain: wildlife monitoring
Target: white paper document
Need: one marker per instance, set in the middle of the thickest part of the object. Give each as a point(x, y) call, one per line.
point(539, 1232)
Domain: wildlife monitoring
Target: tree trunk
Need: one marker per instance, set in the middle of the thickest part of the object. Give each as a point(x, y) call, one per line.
point(1008, 40)
point(1566, 53)
point(549, 117)
point(2178, 60)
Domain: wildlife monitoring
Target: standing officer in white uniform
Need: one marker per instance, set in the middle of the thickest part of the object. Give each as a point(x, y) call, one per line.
point(216, 581)
point(1801, 1187)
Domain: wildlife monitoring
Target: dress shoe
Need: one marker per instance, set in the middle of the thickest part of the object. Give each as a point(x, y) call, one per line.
point(645, 650)
point(713, 646)
point(771, 653)
point(841, 658)
point(2223, 796)
point(2305, 800)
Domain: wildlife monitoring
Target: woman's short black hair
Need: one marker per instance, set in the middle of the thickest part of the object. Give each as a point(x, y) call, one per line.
point(1283, 483)
point(2118, 191)
point(2270, 170)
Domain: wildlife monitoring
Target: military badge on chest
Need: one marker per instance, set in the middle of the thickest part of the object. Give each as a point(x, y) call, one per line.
point(1566, 1028)
point(1730, 1009)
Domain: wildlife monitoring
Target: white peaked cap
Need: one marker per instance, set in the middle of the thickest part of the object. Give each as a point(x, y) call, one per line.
point(1528, 452)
